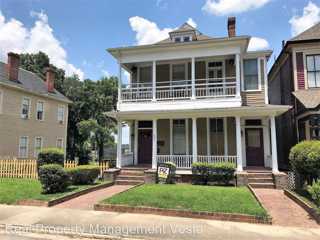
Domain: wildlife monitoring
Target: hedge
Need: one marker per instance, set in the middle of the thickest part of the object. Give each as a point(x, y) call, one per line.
point(53, 178)
point(83, 174)
point(221, 173)
point(51, 156)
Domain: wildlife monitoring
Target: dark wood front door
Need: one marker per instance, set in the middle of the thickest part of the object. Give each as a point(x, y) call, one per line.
point(254, 147)
point(145, 146)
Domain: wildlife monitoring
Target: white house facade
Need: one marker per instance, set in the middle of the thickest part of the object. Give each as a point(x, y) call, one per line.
point(194, 98)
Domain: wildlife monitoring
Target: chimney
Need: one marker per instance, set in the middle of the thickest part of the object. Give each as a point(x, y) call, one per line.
point(231, 27)
point(13, 66)
point(50, 75)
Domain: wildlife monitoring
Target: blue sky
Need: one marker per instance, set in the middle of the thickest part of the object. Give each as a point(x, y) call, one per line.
point(76, 33)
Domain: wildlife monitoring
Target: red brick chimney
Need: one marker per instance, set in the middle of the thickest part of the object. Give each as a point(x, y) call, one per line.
point(13, 66)
point(50, 75)
point(231, 26)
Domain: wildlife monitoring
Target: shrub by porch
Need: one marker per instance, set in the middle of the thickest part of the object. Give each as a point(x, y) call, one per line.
point(191, 197)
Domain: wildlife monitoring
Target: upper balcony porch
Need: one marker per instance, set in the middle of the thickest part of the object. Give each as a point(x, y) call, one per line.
point(173, 82)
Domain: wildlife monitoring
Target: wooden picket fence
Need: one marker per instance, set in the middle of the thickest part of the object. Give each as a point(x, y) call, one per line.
point(70, 164)
point(18, 168)
point(11, 167)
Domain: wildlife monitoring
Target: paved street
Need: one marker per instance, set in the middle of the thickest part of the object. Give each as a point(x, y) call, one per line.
point(142, 226)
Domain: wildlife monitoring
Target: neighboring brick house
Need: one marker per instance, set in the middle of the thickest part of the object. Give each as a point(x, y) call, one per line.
point(33, 114)
point(294, 80)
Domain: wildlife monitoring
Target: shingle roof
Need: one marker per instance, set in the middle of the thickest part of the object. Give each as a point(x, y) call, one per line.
point(309, 98)
point(309, 34)
point(30, 82)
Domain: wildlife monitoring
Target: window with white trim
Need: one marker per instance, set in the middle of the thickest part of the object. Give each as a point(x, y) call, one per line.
point(40, 110)
point(59, 143)
point(178, 72)
point(23, 147)
point(61, 114)
point(250, 74)
point(38, 143)
point(179, 137)
point(25, 109)
point(313, 71)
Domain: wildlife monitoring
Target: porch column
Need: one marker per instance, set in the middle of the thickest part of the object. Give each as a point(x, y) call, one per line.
point(239, 144)
point(193, 78)
point(154, 76)
point(208, 138)
point(135, 142)
point(225, 132)
point(171, 136)
point(119, 82)
point(238, 76)
point(274, 152)
point(154, 143)
point(187, 135)
point(194, 140)
point(119, 144)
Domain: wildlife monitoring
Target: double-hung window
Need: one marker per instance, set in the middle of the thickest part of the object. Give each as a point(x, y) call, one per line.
point(38, 142)
point(23, 147)
point(61, 114)
point(313, 71)
point(250, 74)
point(25, 110)
point(40, 110)
point(59, 143)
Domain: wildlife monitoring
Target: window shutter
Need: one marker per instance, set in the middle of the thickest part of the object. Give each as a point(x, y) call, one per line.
point(300, 70)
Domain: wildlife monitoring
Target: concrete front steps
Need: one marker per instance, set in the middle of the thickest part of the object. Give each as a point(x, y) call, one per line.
point(261, 179)
point(130, 176)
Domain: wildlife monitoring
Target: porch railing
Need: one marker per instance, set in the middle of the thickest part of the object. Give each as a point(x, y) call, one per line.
point(182, 89)
point(185, 161)
point(217, 159)
point(181, 161)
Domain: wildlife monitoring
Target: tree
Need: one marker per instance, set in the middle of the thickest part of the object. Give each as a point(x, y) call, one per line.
point(90, 100)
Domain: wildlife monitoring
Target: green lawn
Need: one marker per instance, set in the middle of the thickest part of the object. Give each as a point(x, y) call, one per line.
point(12, 190)
point(191, 197)
point(305, 195)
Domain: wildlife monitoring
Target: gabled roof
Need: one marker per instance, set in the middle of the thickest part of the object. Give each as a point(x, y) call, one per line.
point(186, 27)
point(309, 98)
point(30, 82)
point(309, 34)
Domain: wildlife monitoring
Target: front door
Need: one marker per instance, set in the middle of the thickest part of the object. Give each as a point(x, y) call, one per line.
point(254, 147)
point(145, 146)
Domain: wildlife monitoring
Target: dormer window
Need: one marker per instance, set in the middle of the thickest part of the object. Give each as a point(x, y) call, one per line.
point(186, 38)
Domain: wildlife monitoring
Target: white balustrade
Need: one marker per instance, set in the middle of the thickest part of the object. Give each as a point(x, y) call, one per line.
point(217, 159)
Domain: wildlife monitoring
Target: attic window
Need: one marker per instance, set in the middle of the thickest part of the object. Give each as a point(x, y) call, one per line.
point(177, 39)
point(187, 38)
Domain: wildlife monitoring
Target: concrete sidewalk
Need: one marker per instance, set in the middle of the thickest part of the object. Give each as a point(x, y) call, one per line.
point(157, 227)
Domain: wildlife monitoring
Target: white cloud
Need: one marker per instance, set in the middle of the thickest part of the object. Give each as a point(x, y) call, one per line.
point(224, 7)
point(105, 73)
point(256, 44)
point(14, 36)
point(192, 23)
point(310, 16)
point(148, 32)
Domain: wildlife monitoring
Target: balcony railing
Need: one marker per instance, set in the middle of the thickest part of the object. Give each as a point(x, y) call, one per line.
point(185, 161)
point(182, 89)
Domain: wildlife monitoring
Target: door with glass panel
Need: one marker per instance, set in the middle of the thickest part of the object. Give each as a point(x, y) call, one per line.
point(180, 86)
point(214, 78)
point(179, 137)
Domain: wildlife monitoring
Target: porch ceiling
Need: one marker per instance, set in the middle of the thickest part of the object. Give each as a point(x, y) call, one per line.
point(243, 111)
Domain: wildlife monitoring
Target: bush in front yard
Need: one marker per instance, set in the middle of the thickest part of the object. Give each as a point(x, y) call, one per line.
point(83, 174)
point(53, 178)
point(314, 191)
point(305, 159)
point(221, 173)
point(51, 156)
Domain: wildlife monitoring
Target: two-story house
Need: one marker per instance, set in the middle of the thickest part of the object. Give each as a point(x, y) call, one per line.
point(33, 114)
point(193, 98)
point(295, 80)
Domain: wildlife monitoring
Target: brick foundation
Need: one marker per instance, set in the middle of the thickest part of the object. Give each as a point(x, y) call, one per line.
point(150, 176)
point(242, 178)
point(280, 180)
point(111, 174)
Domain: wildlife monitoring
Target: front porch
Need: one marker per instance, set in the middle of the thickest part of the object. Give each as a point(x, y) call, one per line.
point(245, 141)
